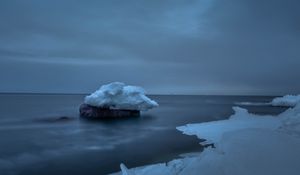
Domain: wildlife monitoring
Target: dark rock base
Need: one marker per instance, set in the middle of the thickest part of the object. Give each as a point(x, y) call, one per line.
point(91, 112)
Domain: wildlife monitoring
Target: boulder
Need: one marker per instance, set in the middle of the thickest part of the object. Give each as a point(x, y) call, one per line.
point(92, 112)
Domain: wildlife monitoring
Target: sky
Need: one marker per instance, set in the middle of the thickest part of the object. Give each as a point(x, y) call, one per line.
point(208, 47)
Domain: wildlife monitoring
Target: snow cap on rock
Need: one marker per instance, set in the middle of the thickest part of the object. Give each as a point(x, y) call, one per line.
point(117, 95)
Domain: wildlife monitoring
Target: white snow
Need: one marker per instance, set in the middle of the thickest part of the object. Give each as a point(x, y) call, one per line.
point(246, 144)
point(287, 100)
point(117, 95)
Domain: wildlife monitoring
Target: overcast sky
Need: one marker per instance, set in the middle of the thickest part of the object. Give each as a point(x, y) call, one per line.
point(166, 46)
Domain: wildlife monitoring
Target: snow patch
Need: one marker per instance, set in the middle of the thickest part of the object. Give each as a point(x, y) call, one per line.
point(287, 100)
point(117, 95)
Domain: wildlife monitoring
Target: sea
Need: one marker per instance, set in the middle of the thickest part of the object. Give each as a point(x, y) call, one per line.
point(43, 134)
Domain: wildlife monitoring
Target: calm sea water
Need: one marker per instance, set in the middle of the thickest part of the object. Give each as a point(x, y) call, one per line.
point(34, 140)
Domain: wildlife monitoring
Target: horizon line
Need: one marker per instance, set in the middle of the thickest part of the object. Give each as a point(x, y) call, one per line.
point(175, 94)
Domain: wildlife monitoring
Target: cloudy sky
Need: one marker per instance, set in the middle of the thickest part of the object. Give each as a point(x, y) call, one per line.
point(166, 46)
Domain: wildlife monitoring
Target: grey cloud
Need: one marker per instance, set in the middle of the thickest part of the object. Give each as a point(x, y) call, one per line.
point(193, 47)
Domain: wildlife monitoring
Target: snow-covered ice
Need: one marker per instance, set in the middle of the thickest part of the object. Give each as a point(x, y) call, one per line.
point(241, 119)
point(117, 95)
point(246, 144)
point(287, 100)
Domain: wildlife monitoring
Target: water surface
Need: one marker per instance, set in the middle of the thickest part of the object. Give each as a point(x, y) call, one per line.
point(43, 134)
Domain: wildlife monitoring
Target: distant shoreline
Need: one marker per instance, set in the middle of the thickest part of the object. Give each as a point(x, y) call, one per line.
point(50, 93)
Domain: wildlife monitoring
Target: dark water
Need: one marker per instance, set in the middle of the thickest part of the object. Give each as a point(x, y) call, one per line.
point(34, 140)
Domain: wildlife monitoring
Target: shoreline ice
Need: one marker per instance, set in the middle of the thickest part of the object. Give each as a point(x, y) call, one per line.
point(287, 100)
point(245, 144)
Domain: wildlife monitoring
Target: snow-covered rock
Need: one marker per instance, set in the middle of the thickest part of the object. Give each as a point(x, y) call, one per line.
point(120, 96)
point(287, 100)
point(246, 144)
